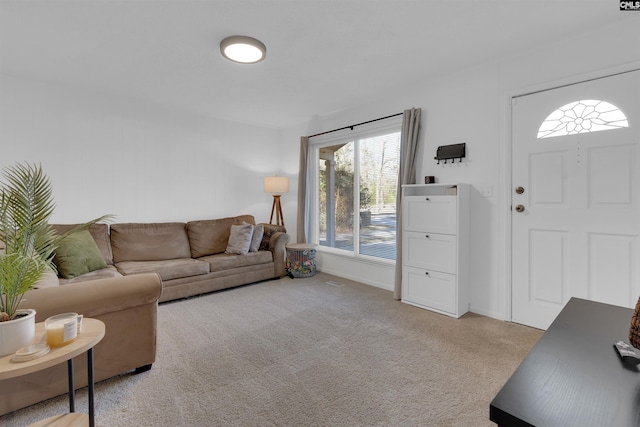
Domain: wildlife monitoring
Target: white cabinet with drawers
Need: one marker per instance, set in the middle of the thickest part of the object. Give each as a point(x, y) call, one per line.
point(435, 247)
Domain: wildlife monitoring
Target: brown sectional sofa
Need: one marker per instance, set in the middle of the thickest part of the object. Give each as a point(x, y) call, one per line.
point(189, 257)
point(146, 263)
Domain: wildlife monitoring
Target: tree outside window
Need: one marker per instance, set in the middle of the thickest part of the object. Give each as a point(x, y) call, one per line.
point(371, 166)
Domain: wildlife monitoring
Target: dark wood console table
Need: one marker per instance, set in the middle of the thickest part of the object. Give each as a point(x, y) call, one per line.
point(573, 375)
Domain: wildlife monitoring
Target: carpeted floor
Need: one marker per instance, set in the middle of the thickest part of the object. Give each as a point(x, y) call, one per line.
point(322, 351)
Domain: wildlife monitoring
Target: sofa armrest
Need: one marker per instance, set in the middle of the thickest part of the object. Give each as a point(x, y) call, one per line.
point(96, 297)
point(277, 244)
point(127, 306)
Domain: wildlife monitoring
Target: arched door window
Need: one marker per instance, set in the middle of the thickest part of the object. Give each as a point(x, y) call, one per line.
point(589, 115)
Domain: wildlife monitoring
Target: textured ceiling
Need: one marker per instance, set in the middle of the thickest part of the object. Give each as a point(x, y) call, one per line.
point(323, 55)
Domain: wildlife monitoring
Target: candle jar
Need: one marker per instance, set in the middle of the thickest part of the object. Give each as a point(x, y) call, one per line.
point(61, 329)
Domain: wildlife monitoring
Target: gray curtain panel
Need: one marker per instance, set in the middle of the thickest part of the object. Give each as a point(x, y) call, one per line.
point(302, 227)
point(406, 175)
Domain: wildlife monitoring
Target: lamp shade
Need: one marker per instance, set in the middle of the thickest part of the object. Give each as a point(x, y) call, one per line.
point(276, 184)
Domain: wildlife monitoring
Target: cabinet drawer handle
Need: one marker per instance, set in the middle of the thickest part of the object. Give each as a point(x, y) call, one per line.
point(426, 272)
point(427, 199)
point(427, 236)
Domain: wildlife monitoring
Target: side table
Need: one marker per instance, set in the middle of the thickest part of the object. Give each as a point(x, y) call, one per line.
point(92, 332)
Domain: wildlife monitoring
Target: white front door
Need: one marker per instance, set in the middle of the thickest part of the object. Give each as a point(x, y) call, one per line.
point(576, 197)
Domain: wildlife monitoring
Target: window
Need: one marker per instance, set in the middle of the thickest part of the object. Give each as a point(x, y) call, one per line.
point(356, 180)
point(590, 115)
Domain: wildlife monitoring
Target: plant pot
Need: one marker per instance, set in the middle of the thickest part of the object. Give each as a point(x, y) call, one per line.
point(17, 333)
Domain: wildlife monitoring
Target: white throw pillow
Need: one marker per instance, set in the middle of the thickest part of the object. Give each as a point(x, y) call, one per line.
point(256, 239)
point(240, 239)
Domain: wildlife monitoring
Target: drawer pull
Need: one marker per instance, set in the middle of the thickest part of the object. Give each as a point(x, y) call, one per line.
point(426, 272)
point(427, 236)
point(427, 199)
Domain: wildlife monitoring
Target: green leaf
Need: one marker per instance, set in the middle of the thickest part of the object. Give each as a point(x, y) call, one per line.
point(26, 205)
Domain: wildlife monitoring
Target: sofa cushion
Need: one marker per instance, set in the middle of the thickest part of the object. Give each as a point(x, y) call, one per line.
point(167, 270)
point(99, 232)
point(239, 239)
point(149, 241)
point(49, 279)
point(78, 254)
point(256, 238)
point(210, 236)
point(103, 273)
point(223, 261)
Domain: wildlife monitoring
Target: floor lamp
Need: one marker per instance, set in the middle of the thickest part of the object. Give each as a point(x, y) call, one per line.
point(276, 185)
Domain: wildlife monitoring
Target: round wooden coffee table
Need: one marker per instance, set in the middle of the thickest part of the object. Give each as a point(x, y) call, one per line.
point(92, 333)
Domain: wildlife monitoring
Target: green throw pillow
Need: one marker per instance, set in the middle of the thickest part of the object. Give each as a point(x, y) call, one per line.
point(77, 254)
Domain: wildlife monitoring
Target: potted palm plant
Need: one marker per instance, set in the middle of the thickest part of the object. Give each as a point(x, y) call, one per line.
point(26, 205)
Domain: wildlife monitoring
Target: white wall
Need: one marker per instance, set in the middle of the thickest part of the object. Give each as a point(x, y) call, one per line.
point(135, 160)
point(145, 162)
point(472, 106)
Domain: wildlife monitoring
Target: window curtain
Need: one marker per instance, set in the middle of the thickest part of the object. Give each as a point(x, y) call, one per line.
point(406, 175)
point(303, 223)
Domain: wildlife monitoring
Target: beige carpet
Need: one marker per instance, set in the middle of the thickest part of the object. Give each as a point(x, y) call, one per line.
point(305, 352)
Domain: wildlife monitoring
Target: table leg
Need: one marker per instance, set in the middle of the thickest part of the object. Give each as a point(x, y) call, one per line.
point(71, 386)
point(90, 386)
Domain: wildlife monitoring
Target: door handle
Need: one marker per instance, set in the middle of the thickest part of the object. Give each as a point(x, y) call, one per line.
point(520, 208)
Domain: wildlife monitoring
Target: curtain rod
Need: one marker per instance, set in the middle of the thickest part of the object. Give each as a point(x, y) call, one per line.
point(357, 124)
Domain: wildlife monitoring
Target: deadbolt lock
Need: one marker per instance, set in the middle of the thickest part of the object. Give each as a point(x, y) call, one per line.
point(519, 190)
point(519, 208)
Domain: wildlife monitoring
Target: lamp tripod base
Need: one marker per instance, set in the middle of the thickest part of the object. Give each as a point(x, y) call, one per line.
point(277, 209)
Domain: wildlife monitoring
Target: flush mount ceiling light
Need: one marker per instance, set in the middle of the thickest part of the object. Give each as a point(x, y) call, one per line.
point(243, 49)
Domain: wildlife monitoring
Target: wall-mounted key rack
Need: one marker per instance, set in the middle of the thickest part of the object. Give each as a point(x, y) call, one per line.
point(451, 152)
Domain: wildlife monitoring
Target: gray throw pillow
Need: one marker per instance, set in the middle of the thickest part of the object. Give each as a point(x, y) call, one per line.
point(240, 239)
point(256, 239)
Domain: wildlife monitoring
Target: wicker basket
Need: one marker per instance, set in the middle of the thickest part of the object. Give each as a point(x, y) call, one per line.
point(301, 260)
point(634, 330)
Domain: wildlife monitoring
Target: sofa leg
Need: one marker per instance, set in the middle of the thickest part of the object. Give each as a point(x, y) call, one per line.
point(142, 369)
